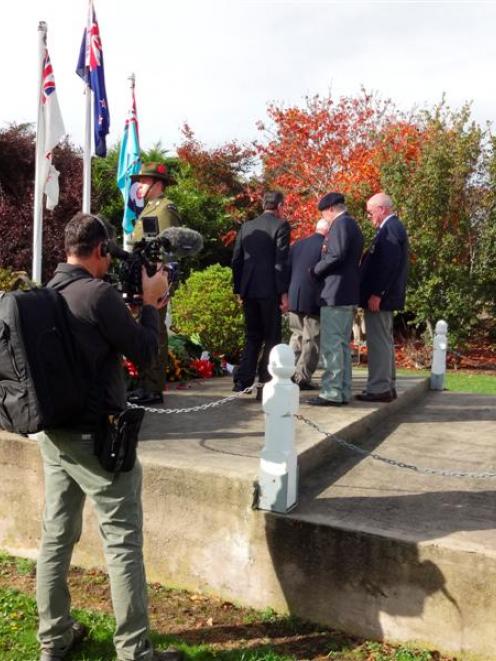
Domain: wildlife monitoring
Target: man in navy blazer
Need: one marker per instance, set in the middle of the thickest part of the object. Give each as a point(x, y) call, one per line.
point(304, 304)
point(338, 271)
point(260, 275)
point(383, 276)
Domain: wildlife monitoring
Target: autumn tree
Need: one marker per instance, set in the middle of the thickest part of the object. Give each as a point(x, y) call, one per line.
point(324, 145)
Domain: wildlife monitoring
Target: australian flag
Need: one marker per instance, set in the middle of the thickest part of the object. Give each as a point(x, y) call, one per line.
point(90, 68)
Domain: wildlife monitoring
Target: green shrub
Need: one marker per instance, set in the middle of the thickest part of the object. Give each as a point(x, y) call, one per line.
point(205, 307)
point(10, 280)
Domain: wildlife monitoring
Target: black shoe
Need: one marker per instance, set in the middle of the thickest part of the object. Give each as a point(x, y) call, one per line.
point(375, 396)
point(142, 396)
point(239, 387)
point(306, 385)
point(259, 393)
point(394, 394)
point(170, 654)
point(320, 401)
point(79, 633)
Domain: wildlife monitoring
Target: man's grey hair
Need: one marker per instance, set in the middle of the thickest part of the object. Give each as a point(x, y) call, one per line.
point(322, 226)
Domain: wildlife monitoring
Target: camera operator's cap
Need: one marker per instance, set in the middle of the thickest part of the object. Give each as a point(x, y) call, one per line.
point(330, 200)
point(155, 170)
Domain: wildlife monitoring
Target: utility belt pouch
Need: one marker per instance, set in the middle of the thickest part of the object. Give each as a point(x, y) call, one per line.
point(117, 439)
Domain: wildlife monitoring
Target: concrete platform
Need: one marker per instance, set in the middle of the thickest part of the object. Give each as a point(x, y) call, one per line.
point(372, 549)
point(228, 439)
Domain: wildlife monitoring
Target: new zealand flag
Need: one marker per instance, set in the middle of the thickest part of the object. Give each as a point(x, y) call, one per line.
point(90, 68)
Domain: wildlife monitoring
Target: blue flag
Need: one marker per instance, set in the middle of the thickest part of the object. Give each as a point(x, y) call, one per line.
point(129, 164)
point(90, 68)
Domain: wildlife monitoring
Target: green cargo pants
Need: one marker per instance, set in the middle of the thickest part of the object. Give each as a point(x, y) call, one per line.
point(336, 323)
point(73, 472)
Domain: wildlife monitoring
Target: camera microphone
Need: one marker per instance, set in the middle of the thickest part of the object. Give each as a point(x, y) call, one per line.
point(181, 241)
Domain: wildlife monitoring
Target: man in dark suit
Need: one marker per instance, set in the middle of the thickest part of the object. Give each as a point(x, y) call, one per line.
point(383, 276)
point(338, 270)
point(304, 304)
point(260, 274)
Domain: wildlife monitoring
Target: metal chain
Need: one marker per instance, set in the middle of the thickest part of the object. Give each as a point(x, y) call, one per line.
point(392, 462)
point(194, 409)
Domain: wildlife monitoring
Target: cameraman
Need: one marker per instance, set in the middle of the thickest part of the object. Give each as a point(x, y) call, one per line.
point(153, 179)
point(104, 330)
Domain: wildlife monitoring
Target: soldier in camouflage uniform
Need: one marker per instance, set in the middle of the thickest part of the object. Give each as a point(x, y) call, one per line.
point(153, 179)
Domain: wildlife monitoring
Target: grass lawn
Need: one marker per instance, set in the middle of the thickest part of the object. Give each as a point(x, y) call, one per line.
point(204, 628)
point(469, 381)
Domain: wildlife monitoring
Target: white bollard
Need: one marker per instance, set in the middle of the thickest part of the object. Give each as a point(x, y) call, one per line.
point(278, 480)
point(439, 350)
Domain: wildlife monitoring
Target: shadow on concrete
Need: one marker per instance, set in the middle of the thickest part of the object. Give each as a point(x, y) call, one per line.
point(349, 579)
point(413, 517)
point(352, 561)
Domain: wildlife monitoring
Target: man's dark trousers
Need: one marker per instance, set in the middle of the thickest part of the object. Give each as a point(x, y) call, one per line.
point(262, 326)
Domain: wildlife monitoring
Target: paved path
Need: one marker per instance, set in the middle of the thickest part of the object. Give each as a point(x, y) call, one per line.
point(445, 430)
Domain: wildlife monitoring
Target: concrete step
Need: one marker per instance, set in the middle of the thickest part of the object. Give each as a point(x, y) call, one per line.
point(375, 550)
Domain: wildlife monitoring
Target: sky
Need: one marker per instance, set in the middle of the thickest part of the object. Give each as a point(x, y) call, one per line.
point(216, 64)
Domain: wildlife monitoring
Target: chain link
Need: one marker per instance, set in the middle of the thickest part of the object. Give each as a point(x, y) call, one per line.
point(392, 462)
point(194, 409)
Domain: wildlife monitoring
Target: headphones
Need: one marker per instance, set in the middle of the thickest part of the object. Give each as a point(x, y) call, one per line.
point(104, 246)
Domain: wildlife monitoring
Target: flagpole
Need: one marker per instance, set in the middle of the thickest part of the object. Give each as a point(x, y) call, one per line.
point(87, 153)
point(87, 124)
point(39, 156)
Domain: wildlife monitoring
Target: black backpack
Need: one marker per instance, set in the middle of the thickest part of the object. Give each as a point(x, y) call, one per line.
point(42, 376)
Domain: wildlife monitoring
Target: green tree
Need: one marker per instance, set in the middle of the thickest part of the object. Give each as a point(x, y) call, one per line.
point(106, 198)
point(439, 196)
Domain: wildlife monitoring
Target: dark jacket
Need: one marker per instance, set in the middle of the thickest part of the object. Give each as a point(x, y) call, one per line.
point(260, 257)
point(384, 267)
point(105, 331)
point(304, 290)
point(339, 266)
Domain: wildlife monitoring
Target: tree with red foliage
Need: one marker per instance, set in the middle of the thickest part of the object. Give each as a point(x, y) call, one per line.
point(329, 145)
point(17, 168)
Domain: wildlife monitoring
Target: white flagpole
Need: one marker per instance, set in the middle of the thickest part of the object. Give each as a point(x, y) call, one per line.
point(87, 153)
point(87, 126)
point(39, 158)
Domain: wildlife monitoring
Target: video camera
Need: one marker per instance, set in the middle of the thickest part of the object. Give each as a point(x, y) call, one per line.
point(154, 248)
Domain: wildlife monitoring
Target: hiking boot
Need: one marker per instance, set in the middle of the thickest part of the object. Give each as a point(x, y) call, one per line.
point(79, 633)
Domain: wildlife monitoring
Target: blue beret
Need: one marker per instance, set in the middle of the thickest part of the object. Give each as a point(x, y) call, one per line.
point(330, 200)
